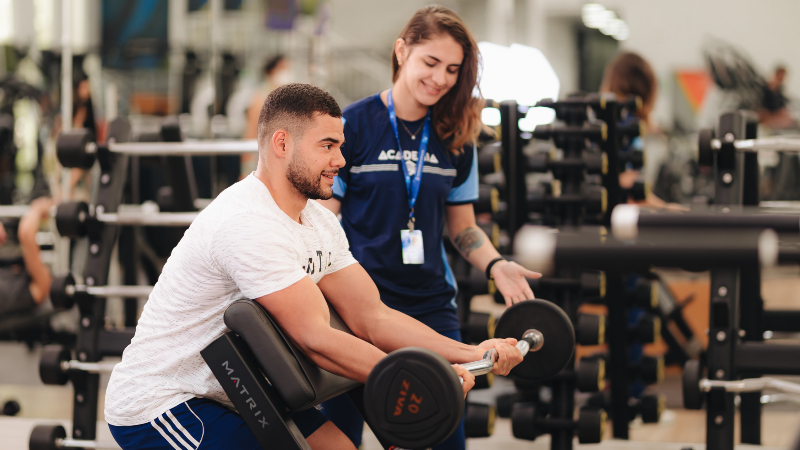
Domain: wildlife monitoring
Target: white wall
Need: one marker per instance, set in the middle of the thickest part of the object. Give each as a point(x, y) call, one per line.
point(671, 33)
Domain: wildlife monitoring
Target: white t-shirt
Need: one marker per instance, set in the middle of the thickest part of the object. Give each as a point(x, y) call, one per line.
point(241, 246)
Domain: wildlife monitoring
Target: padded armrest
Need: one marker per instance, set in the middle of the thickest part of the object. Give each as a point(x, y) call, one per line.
point(299, 382)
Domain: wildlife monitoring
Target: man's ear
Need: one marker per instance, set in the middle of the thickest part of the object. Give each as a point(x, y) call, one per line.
point(280, 143)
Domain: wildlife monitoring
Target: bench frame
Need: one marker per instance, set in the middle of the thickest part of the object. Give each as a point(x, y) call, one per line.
point(251, 393)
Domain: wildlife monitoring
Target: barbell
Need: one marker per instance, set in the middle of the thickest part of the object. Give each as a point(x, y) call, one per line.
point(74, 218)
point(414, 399)
point(77, 148)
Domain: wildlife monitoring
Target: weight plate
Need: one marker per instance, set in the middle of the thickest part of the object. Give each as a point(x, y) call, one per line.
point(71, 148)
point(50, 365)
point(11, 408)
point(71, 219)
point(413, 398)
point(44, 437)
point(555, 326)
point(119, 130)
point(692, 395)
point(58, 292)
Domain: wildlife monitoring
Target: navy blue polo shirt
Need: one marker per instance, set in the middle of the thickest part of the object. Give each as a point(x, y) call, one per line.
point(374, 200)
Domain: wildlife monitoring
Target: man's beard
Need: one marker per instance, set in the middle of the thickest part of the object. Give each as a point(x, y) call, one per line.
point(305, 182)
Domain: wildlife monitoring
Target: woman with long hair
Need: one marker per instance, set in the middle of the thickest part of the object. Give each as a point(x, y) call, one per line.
point(412, 170)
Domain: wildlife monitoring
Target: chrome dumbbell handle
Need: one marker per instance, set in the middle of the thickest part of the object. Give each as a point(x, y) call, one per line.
point(92, 367)
point(531, 341)
point(78, 443)
point(751, 385)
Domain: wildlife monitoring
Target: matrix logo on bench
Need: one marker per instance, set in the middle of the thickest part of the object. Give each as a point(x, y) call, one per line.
point(244, 392)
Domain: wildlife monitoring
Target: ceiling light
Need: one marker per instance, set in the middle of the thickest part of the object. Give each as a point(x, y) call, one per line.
point(623, 32)
point(593, 14)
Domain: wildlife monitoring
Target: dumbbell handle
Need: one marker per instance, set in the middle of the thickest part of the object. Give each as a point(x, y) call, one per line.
point(110, 291)
point(79, 443)
point(750, 385)
point(531, 341)
point(93, 367)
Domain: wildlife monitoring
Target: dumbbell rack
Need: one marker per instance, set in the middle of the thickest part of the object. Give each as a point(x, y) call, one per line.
point(737, 317)
point(573, 111)
point(94, 341)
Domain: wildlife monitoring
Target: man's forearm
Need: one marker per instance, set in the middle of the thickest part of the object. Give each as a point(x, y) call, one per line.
point(343, 354)
point(391, 330)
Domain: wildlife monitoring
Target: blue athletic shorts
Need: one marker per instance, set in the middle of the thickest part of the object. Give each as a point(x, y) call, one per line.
point(200, 424)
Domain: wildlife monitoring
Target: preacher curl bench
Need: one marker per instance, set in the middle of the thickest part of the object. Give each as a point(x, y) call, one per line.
point(266, 377)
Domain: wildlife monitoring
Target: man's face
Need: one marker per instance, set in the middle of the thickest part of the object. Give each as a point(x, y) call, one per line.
point(317, 157)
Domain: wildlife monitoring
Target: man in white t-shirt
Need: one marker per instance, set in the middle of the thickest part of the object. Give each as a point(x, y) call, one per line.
point(264, 238)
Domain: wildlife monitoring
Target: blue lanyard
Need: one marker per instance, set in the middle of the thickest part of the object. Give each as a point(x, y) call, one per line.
point(412, 184)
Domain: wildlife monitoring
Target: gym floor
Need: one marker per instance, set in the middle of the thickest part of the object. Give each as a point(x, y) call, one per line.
point(678, 428)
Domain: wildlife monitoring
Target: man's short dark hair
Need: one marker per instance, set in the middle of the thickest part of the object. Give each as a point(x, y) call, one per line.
point(291, 108)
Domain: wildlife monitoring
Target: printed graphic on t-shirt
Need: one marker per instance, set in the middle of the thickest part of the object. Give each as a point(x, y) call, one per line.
point(318, 262)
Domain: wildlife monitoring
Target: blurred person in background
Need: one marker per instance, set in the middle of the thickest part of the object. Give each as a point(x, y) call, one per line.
point(82, 117)
point(277, 71)
point(630, 74)
point(395, 204)
point(774, 112)
point(25, 285)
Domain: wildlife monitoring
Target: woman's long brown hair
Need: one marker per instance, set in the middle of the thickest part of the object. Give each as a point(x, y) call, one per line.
point(457, 115)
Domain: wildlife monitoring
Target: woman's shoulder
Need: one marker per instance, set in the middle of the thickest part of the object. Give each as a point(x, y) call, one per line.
point(365, 108)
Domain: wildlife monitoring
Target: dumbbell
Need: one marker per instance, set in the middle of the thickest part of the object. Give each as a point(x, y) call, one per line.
point(479, 420)
point(649, 369)
point(415, 399)
point(590, 374)
point(649, 407)
point(591, 329)
point(63, 291)
point(594, 197)
point(54, 437)
point(595, 163)
point(76, 219)
point(488, 199)
point(490, 158)
point(595, 132)
point(696, 385)
point(528, 423)
point(479, 327)
point(56, 362)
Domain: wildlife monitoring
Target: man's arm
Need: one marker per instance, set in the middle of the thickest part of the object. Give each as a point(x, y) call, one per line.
point(356, 298)
point(31, 255)
point(302, 313)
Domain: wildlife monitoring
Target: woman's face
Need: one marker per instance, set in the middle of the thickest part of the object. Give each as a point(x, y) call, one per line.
point(429, 69)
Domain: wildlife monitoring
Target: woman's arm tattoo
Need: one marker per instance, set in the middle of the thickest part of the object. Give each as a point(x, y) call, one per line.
point(468, 239)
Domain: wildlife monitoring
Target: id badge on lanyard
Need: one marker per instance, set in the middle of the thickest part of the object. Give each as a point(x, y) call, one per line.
point(411, 239)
